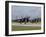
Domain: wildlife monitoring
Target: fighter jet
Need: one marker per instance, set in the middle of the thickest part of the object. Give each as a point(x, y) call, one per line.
point(27, 19)
point(21, 20)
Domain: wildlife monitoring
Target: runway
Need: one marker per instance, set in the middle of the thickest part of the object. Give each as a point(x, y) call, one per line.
point(28, 24)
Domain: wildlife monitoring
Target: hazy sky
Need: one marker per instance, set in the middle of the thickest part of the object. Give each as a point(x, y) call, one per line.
point(31, 11)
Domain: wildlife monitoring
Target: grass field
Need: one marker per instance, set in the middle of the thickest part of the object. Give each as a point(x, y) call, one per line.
point(17, 27)
point(20, 28)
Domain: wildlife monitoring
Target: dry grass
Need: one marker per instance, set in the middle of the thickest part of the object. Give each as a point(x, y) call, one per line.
point(22, 28)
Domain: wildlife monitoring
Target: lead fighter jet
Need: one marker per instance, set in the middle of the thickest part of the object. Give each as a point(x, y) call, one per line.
point(25, 19)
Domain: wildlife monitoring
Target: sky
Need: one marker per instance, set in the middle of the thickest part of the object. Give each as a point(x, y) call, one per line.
point(23, 11)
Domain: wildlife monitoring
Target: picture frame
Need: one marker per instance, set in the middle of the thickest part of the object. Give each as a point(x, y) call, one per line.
point(8, 16)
